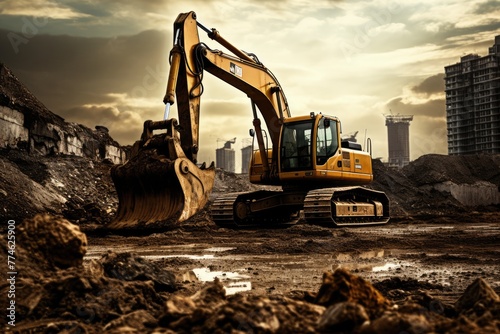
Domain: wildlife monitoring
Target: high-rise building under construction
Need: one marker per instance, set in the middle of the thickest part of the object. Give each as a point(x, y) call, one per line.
point(472, 89)
point(398, 135)
point(225, 156)
point(246, 156)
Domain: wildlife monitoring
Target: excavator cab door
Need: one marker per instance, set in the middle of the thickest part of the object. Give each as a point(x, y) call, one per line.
point(327, 143)
point(296, 148)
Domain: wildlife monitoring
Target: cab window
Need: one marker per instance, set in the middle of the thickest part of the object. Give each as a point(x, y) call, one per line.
point(296, 146)
point(326, 140)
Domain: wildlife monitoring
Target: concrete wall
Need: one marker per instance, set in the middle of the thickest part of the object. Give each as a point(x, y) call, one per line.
point(479, 193)
point(115, 154)
point(12, 130)
point(42, 137)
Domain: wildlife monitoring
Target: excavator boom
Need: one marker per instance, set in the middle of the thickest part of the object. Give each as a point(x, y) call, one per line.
point(161, 184)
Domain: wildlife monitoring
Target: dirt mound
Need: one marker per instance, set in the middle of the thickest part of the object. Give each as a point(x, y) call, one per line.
point(126, 266)
point(44, 234)
point(80, 189)
point(425, 186)
point(77, 188)
point(55, 292)
point(341, 286)
point(15, 95)
point(231, 182)
point(210, 311)
point(468, 169)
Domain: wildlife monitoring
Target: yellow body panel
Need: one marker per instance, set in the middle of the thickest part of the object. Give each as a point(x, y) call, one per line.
point(348, 167)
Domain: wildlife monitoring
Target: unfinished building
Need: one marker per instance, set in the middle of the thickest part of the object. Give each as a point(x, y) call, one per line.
point(398, 134)
point(225, 156)
point(472, 89)
point(246, 156)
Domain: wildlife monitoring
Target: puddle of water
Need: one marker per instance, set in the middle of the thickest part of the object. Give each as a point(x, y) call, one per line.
point(219, 249)
point(230, 280)
point(386, 267)
point(192, 257)
point(205, 275)
point(236, 287)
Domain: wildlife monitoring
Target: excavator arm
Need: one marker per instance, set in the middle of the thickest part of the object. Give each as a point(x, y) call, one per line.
point(162, 184)
point(190, 58)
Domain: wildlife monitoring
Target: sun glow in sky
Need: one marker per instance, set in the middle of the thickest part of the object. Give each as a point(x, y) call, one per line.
point(106, 62)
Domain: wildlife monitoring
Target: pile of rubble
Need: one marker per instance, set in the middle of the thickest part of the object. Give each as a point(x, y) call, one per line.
point(437, 185)
point(56, 292)
point(25, 123)
point(77, 188)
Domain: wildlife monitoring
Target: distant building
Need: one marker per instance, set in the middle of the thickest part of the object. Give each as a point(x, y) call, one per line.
point(472, 89)
point(225, 156)
point(246, 155)
point(398, 135)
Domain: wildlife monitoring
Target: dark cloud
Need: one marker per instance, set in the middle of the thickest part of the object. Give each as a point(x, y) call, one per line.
point(68, 71)
point(432, 108)
point(124, 123)
point(93, 80)
point(88, 18)
point(486, 7)
point(88, 8)
point(431, 85)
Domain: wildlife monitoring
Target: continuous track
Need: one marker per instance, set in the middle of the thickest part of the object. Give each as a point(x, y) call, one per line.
point(278, 209)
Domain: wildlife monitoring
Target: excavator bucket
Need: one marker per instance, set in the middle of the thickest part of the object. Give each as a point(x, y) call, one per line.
point(159, 187)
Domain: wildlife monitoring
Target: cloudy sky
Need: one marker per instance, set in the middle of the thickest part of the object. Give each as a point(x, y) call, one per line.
point(106, 62)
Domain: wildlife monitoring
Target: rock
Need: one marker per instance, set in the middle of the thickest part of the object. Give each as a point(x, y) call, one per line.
point(398, 323)
point(179, 306)
point(212, 293)
point(55, 240)
point(342, 286)
point(342, 317)
point(135, 322)
point(479, 292)
point(128, 267)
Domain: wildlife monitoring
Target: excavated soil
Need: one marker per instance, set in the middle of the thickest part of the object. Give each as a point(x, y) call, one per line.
point(432, 269)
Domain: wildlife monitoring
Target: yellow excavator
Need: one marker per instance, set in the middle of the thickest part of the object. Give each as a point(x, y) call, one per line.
point(320, 174)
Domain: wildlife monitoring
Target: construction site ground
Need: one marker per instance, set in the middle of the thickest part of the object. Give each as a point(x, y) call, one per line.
point(441, 255)
point(197, 277)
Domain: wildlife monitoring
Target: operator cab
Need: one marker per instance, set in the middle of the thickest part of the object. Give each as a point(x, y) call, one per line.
point(307, 140)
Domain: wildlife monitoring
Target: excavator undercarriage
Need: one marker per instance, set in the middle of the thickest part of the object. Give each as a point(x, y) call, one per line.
point(339, 206)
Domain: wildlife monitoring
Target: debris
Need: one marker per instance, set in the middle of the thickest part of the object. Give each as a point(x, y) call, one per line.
point(343, 317)
point(53, 240)
point(478, 296)
point(126, 266)
point(342, 286)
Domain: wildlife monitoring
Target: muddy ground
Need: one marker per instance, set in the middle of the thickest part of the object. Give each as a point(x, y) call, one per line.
point(443, 255)
point(432, 269)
